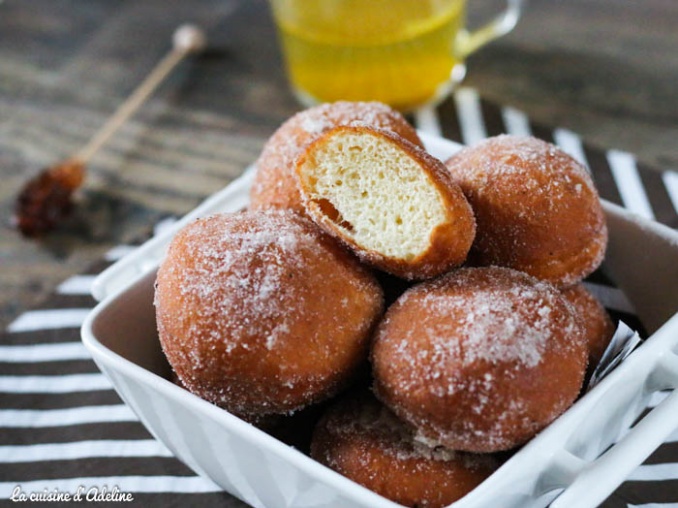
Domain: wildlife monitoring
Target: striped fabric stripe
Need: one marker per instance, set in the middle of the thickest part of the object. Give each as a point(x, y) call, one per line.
point(85, 431)
point(117, 253)
point(54, 384)
point(670, 179)
point(84, 449)
point(62, 425)
point(426, 120)
point(625, 173)
point(47, 368)
point(77, 285)
point(658, 191)
point(35, 337)
point(571, 143)
point(516, 122)
point(44, 352)
point(666, 453)
point(48, 319)
point(602, 175)
point(13, 418)
point(657, 493)
point(655, 472)
point(470, 116)
point(106, 397)
point(654, 505)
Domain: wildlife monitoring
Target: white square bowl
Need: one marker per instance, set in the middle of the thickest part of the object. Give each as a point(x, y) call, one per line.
point(579, 459)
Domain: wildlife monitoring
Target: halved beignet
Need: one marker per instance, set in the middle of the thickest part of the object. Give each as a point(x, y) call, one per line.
point(275, 184)
point(388, 200)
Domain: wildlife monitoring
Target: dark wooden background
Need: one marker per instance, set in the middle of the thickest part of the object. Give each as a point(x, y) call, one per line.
point(607, 69)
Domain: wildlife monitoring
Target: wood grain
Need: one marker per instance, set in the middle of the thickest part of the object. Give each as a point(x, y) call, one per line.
point(604, 68)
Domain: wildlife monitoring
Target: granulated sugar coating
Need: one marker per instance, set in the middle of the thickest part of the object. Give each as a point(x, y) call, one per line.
point(361, 439)
point(536, 208)
point(479, 360)
point(389, 201)
point(260, 313)
point(275, 183)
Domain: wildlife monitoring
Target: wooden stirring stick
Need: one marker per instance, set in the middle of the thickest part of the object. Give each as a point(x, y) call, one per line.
point(46, 199)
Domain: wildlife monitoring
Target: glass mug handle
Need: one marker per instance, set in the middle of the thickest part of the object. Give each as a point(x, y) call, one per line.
point(469, 41)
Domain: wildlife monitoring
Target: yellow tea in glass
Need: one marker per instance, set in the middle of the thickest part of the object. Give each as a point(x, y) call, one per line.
point(401, 52)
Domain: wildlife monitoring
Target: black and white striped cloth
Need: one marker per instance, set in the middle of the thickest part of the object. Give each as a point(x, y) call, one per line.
point(62, 426)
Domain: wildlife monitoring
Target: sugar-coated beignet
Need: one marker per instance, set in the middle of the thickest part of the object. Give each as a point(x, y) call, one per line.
point(361, 439)
point(275, 183)
point(391, 202)
point(261, 313)
point(596, 324)
point(479, 360)
point(536, 208)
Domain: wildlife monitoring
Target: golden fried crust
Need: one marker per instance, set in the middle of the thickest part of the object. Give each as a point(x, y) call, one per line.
point(362, 440)
point(594, 320)
point(448, 238)
point(260, 313)
point(479, 360)
point(275, 183)
point(536, 208)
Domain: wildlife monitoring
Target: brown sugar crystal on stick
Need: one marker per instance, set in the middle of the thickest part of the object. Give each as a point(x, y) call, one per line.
point(391, 202)
point(46, 199)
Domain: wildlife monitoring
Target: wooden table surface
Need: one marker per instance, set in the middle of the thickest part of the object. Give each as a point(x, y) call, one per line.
point(607, 69)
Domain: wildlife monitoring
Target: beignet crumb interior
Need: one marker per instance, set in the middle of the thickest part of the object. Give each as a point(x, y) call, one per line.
point(375, 191)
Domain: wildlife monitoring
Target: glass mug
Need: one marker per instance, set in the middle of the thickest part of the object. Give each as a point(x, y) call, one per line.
point(405, 53)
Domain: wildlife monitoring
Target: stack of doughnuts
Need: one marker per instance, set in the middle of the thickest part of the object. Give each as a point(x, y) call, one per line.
point(457, 283)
